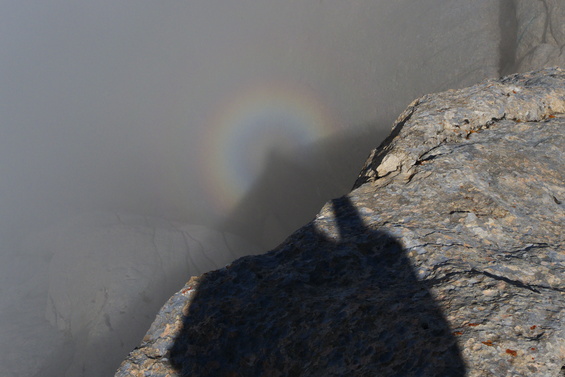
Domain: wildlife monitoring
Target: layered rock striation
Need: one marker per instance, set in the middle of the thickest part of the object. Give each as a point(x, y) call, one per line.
point(447, 258)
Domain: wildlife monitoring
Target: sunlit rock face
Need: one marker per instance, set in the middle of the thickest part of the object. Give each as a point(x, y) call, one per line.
point(107, 275)
point(447, 259)
point(154, 109)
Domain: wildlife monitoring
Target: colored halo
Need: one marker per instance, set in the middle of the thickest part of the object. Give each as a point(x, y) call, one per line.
point(257, 122)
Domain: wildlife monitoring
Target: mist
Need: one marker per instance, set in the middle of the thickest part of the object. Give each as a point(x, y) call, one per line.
point(144, 142)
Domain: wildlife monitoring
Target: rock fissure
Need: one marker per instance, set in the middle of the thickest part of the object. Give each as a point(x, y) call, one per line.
point(516, 283)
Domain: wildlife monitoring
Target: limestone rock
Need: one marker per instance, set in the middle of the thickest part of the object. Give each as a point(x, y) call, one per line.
point(447, 259)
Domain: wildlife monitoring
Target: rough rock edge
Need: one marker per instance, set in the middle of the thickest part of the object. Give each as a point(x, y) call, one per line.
point(151, 357)
point(518, 97)
point(422, 120)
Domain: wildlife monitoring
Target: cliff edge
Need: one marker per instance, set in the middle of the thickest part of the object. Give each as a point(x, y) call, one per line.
point(447, 259)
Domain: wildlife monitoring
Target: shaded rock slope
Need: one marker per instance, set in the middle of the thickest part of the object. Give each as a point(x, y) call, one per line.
point(447, 259)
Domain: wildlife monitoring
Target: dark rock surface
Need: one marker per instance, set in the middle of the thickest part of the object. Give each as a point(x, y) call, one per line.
point(447, 259)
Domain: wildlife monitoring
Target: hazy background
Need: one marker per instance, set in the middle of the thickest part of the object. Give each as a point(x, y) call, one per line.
point(242, 117)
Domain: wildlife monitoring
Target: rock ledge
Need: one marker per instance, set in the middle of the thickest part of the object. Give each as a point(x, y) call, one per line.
point(447, 259)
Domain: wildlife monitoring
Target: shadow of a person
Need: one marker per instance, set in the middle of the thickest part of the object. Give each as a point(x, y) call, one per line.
point(335, 299)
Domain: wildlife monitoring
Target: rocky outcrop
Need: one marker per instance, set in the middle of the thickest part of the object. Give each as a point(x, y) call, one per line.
point(447, 259)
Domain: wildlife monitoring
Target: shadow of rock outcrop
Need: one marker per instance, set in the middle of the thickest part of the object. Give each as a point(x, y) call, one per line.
point(337, 298)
